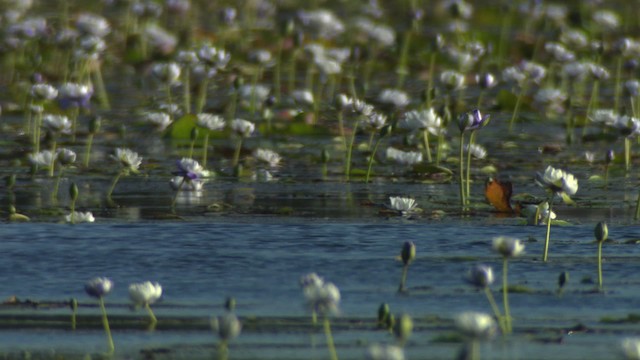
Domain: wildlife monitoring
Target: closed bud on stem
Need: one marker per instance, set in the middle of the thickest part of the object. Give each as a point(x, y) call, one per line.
point(73, 304)
point(610, 156)
point(563, 279)
point(601, 231)
point(403, 328)
point(230, 304)
point(325, 156)
point(386, 130)
point(10, 181)
point(194, 133)
point(383, 314)
point(73, 191)
point(408, 252)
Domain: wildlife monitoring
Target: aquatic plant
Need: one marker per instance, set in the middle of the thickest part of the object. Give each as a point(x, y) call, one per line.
point(384, 352)
point(475, 327)
point(227, 327)
point(129, 162)
point(407, 255)
point(601, 232)
point(481, 276)
point(145, 294)
point(470, 121)
point(403, 328)
point(208, 122)
point(242, 129)
point(557, 182)
point(403, 205)
point(507, 247)
point(322, 298)
point(99, 288)
point(630, 348)
point(189, 176)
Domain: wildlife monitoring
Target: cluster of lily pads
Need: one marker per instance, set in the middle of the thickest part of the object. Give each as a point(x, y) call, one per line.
point(375, 92)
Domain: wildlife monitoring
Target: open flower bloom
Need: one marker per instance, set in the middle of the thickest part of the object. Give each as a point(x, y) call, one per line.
point(145, 293)
point(129, 160)
point(480, 276)
point(472, 120)
point(241, 127)
point(80, 217)
point(542, 209)
point(227, 326)
point(189, 169)
point(631, 348)
point(508, 246)
point(43, 92)
point(56, 124)
point(267, 156)
point(98, 287)
point(75, 95)
point(421, 120)
point(476, 325)
point(321, 296)
point(558, 181)
point(210, 121)
point(385, 352)
point(404, 205)
point(393, 97)
point(42, 159)
point(160, 120)
point(404, 157)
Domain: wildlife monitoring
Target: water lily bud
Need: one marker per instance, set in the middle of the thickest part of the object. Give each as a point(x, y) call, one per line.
point(237, 171)
point(12, 209)
point(403, 328)
point(486, 80)
point(601, 231)
point(73, 191)
point(383, 314)
point(94, 124)
point(230, 304)
point(325, 156)
point(563, 279)
point(465, 121)
point(386, 130)
point(610, 156)
point(408, 252)
point(10, 181)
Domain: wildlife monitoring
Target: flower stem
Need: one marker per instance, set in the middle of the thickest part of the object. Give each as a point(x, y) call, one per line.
point(347, 165)
point(425, 138)
point(187, 90)
point(516, 108)
point(202, 93)
point(151, 314)
point(175, 198)
point(113, 184)
point(546, 241)
point(505, 296)
point(54, 193)
point(330, 344)
point(461, 175)
point(472, 140)
point(53, 158)
point(627, 153)
point(600, 265)
point(105, 323)
point(637, 214)
point(373, 155)
point(236, 154)
point(403, 279)
point(87, 153)
point(205, 148)
point(496, 310)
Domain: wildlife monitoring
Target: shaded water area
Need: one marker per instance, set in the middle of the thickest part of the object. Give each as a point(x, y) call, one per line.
point(249, 226)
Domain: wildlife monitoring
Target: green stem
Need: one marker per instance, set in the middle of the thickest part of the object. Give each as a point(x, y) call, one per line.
point(113, 184)
point(402, 64)
point(425, 139)
point(236, 154)
point(202, 93)
point(616, 89)
point(546, 241)
point(187, 90)
point(472, 140)
point(87, 154)
point(341, 128)
point(105, 323)
point(432, 62)
point(403, 279)
point(516, 109)
point(637, 215)
point(461, 175)
point(205, 148)
point(175, 197)
point(373, 155)
point(103, 96)
point(330, 344)
point(347, 167)
point(600, 265)
point(254, 95)
point(54, 193)
point(496, 310)
point(627, 154)
point(505, 296)
point(474, 349)
point(152, 316)
point(53, 158)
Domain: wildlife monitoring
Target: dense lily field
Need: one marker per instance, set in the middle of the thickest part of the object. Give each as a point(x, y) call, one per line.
point(524, 113)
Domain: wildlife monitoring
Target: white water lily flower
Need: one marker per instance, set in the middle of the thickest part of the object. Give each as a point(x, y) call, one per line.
point(402, 157)
point(268, 156)
point(421, 120)
point(42, 159)
point(261, 93)
point(476, 325)
point(529, 212)
point(145, 293)
point(404, 205)
point(160, 120)
point(242, 127)
point(631, 348)
point(385, 352)
point(452, 80)
point(558, 181)
point(66, 156)
point(508, 246)
point(604, 116)
point(480, 276)
point(374, 122)
point(56, 123)
point(226, 326)
point(394, 97)
point(98, 287)
point(80, 217)
point(43, 92)
point(322, 297)
point(93, 24)
point(476, 150)
point(302, 96)
point(129, 160)
point(210, 121)
point(168, 73)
